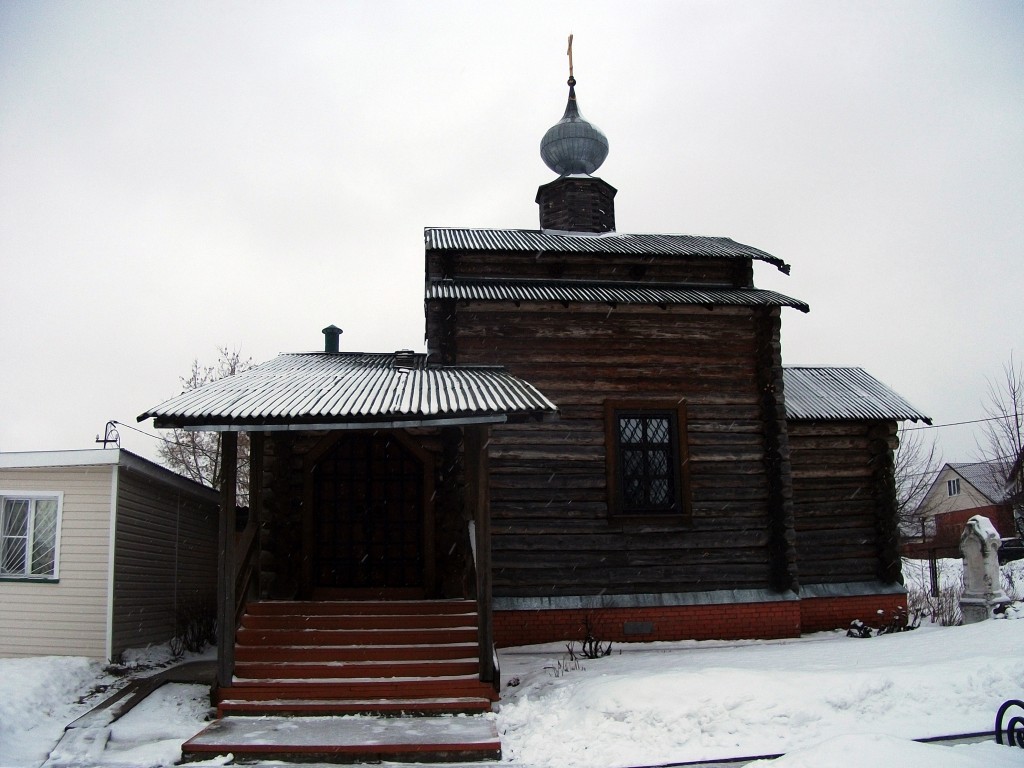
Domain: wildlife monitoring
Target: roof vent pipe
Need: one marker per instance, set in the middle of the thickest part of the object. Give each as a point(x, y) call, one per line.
point(332, 335)
point(405, 358)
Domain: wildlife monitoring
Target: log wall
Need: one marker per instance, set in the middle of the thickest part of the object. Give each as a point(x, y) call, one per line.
point(650, 268)
point(552, 530)
point(844, 501)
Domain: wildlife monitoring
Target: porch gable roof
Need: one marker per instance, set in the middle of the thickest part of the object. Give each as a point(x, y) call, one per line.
point(828, 393)
point(347, 390)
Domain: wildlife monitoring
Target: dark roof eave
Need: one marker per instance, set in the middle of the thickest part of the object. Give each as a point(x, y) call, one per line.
point(623, 243)
point(879, 417)
point(610, 293)
point(316, 425)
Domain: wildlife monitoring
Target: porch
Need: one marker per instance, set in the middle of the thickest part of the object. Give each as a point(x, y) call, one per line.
point(360, 581)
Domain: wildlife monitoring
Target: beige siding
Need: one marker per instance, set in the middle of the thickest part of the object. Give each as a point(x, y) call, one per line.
point(67, 617)
point(939, 502)
point(165, 559)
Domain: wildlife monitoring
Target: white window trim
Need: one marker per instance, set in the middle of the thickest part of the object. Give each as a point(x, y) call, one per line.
point(15, 493)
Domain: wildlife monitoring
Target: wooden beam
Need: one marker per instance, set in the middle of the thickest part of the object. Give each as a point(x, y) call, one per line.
point(475, 441)
point(226, 561)
point(255, 503)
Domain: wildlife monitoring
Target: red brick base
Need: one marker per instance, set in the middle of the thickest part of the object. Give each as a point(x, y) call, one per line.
point(684, 622)
point(736, 621)
point(821, 613)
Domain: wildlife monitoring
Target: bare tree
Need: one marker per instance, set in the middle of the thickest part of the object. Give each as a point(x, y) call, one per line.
point(1003, 439)
point(917, 463)
point(197, 455)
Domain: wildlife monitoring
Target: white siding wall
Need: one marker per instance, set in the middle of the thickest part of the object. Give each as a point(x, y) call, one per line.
point(67, 617)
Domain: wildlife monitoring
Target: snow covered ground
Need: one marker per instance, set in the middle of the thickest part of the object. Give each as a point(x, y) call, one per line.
point(825, 700)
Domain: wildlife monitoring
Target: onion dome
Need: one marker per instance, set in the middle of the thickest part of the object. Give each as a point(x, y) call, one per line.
point(573, 145)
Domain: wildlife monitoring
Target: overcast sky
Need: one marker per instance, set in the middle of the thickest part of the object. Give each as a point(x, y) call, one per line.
point(178, 176)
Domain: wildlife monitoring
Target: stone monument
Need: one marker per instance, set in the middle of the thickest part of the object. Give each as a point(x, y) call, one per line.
point(983, 592)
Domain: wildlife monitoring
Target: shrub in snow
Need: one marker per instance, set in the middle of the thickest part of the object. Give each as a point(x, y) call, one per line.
point(590, 646)
point(569, 664)
point(858, 629)
point(897, 621)
point(196, 629)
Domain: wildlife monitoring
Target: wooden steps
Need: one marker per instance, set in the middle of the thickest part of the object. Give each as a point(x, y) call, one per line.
point(340, 657)
point(349, 739)
point(341, 680)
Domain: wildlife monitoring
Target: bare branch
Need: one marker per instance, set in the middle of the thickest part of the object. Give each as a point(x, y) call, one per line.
point(917, 462)
point(196, 455)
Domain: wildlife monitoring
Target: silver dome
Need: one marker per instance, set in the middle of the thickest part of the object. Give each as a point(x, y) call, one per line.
point(573, 145)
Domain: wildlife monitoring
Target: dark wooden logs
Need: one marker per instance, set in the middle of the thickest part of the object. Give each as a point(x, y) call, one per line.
point(226, 598)
point(844, 501)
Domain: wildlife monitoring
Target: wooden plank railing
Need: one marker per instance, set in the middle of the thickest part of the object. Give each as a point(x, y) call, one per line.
point(246, 568)
point(490, 669)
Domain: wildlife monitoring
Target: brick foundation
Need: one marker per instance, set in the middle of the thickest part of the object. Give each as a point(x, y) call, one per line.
point(685, 622)
point(818, 614)
point(724, 621)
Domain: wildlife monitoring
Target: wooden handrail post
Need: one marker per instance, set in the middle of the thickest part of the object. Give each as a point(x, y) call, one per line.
point(226, 560)
point(475, 441)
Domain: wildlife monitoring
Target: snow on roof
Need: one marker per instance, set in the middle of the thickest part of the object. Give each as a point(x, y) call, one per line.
point(332, 389)
point(533, 240)
point(490, 289)
point(986, 476)
point(842, 394)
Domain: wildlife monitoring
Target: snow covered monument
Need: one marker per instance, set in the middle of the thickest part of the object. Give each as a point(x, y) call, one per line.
point(983, 591)
point(601, 433)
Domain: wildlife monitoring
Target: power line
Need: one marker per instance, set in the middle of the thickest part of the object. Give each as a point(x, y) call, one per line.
point(957, 423)
point(141, 431)
point(150, 434)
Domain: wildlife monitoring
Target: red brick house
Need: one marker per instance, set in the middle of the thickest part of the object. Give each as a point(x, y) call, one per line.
point(959, 492)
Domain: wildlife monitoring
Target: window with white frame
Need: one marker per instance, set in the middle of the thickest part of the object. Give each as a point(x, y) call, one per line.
point(953, 487)
point(29, 535)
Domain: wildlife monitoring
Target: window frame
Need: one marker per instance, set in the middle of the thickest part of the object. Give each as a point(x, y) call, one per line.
point(681, 507)
point(953, 487)
point(34, 497)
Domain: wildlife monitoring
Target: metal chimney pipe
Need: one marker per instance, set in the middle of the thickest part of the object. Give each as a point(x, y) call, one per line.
point(332, 335)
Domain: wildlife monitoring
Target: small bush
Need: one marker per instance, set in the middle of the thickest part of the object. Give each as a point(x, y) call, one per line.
point(196, 628)
point(590, 646)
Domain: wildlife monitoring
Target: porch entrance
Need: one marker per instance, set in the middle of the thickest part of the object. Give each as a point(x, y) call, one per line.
point(370, 508)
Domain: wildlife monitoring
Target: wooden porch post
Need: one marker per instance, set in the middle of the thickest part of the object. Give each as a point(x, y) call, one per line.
point(255, 507)
point(479, 499)
point(226, 560)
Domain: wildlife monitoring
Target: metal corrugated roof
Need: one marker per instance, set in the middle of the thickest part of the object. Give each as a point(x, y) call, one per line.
point(841, 394)
point(299, 390)
point(532, 240)
point(483, 289)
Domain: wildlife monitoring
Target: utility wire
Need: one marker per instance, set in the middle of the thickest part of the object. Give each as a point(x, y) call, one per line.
point(958, 423)
point(150, 434)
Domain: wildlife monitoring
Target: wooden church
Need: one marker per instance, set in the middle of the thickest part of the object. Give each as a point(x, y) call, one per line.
point(601, 435)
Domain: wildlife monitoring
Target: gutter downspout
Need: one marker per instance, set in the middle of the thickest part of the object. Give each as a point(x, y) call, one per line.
point(111, 554)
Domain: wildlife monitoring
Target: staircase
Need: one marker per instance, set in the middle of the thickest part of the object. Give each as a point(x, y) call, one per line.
point(409, 658)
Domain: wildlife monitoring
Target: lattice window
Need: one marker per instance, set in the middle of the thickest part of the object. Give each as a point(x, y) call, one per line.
point(646, 460)
point(29, 528)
